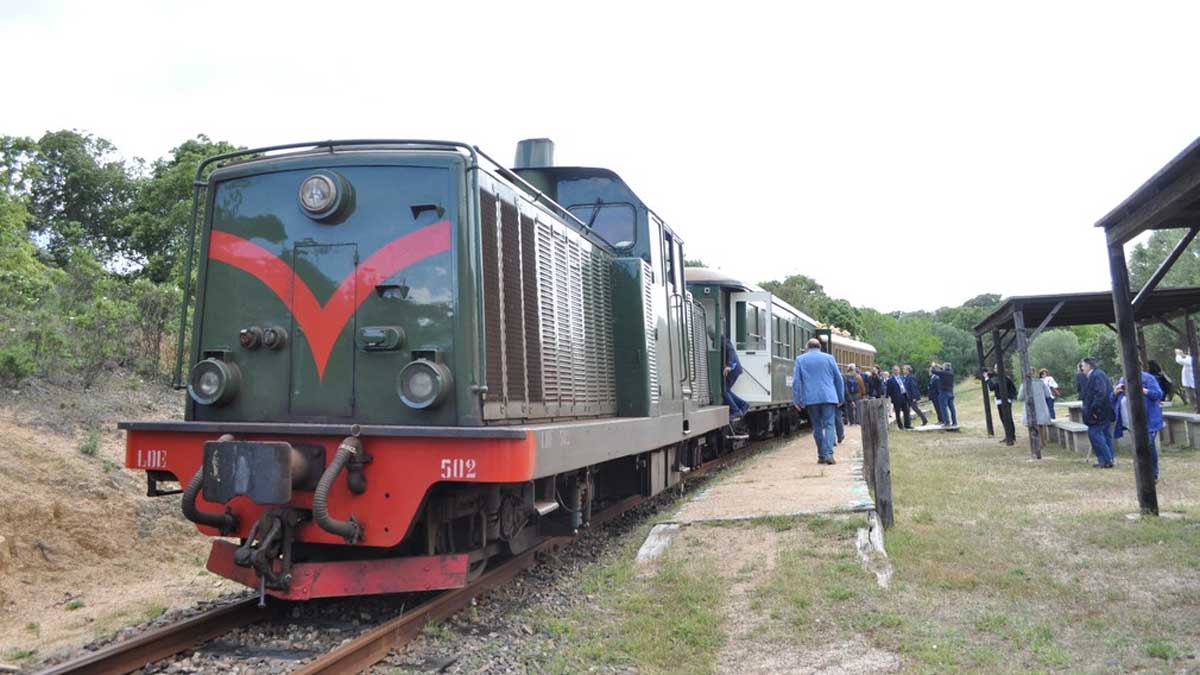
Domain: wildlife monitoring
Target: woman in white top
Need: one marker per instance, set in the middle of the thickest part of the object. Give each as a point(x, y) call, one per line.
point(1187, 377)
point(1051, 389)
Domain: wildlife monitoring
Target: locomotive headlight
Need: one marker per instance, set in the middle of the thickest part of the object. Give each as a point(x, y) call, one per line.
point(317, 193)
point(424, 384)
point(214, 382)
point(325, 194)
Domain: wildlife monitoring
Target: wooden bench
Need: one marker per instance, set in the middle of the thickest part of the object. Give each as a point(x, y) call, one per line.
point(1182, 429)
point(1074, 411)
point(1072, 435)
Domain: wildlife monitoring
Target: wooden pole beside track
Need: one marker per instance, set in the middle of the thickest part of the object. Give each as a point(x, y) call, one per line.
point(877, 463)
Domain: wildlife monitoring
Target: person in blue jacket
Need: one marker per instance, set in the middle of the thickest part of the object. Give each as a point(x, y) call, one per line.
point(733, 369)
point(1154, 416)
point(818, 387)
point(946, 383)
point(1098, 412)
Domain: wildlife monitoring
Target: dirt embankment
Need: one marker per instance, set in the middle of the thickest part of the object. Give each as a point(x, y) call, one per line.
point(83, 551)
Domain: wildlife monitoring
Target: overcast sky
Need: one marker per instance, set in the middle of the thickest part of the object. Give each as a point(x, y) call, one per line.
point(891, 151)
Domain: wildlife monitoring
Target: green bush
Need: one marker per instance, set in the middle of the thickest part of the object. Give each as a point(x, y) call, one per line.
point(91, 444)
point(16, 364)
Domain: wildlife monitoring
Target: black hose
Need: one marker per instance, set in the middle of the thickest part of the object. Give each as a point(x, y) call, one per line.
point(349, 530)
point(224, 522)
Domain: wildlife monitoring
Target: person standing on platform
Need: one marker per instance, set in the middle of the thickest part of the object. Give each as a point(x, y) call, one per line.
point(1004, 392)
point(1154, 417)
point(899, 395)
point(854, 389)
point(1051, 388)
point(914, 393)
point(1040, 396)
point(1080, 381)
point(934, 389)
point(946, 382)
point(1098, 412)
point(818, 387)
point(733, 369)
point(1187, 378)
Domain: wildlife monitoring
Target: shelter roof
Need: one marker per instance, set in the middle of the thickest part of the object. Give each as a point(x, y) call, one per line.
point(1081, 309)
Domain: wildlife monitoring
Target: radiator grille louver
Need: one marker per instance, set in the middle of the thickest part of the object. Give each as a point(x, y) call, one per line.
point(651, 331)
point(548, 310)
point(488, 205)
point(514, 315)
point(699, 352)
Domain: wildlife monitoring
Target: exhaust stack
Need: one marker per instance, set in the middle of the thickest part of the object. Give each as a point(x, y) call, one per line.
point(534, 153)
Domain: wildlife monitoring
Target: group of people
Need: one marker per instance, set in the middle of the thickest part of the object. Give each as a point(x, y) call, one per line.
point(829, 397)
point(1105, 406)
point(1044, 391)
point(902, 388)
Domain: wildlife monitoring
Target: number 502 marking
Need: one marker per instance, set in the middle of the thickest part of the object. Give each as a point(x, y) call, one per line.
point(458, 468)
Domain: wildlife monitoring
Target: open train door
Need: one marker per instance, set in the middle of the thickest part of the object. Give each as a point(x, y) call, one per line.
point(750, 326)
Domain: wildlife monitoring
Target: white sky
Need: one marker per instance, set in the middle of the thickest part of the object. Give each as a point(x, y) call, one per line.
point(890, 150)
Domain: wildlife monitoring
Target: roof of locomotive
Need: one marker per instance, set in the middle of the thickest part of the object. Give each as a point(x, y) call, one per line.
point(264, 156)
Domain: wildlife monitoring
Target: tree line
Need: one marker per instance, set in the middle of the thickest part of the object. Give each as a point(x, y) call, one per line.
point(91, 255)
point(92, 249)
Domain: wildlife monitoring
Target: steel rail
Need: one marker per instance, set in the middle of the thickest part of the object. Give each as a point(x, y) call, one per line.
point(124, 657)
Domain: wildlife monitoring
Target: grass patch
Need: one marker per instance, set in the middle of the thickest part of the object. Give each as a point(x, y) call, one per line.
point(91, 444)
point(73, 605)
point(667, 622)
point(21, 654)
point(1160, 649)
point(155, 612)
point(33, 628)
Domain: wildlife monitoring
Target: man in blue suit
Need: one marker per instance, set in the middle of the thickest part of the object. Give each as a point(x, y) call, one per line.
point(818, 387)
point(1098, 412)
point(898, 392)
point(914, 393)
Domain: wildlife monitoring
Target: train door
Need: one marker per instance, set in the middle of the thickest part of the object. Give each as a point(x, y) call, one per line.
point(750, 327)
point(677, 322)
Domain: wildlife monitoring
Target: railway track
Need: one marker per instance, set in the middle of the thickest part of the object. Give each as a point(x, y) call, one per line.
point(360, 653)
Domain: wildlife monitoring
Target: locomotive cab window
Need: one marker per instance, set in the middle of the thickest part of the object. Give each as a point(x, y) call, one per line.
point(614, 223)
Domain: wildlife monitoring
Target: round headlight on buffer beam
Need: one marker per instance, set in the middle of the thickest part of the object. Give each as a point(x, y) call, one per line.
point(214, 382)
point(324, 194)
point(424, 384)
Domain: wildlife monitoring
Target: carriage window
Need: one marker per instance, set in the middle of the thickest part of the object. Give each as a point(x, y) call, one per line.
point(614, 223)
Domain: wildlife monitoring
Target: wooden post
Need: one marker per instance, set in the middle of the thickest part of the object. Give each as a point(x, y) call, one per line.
point(1143, 358)
point(1127, 332)
point(866, 422)
point(877, 463)
point(1035, 437)
point(1190, 326)
point(987, 407)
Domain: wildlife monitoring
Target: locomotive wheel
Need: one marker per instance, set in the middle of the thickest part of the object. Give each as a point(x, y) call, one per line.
point(475, 569)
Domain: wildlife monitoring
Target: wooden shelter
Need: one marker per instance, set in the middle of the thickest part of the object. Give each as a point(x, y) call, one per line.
point(1169, 200)
point(1009, 323)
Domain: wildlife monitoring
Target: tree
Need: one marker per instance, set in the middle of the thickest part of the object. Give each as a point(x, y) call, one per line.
point(1059, 352)
point(78, 193)
point(799, 291)
point(901, 341)
point(157, 220)
point(840, 313)
point(958, 347)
